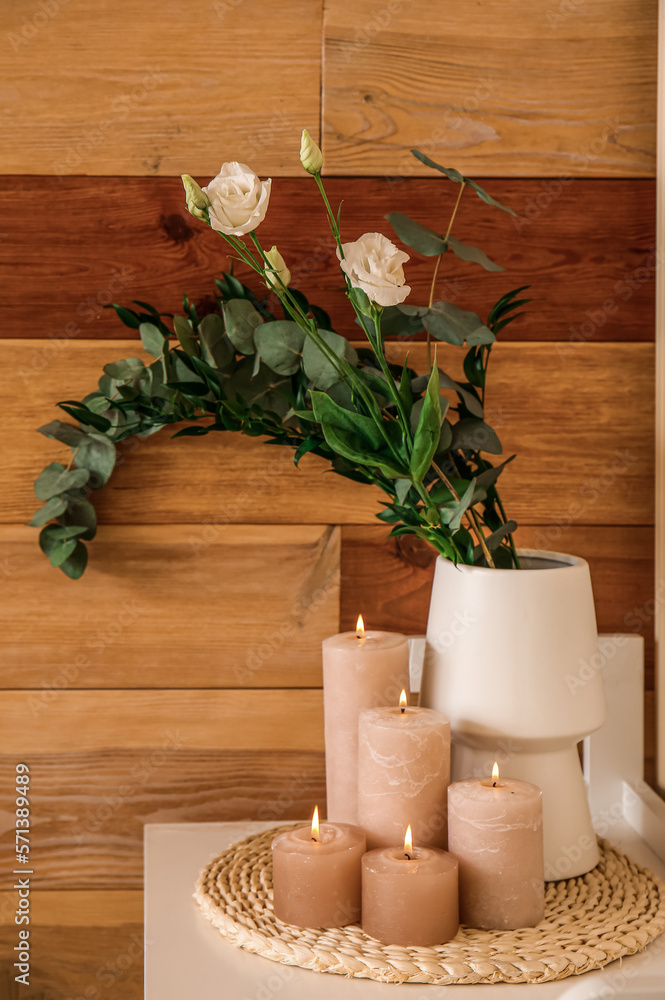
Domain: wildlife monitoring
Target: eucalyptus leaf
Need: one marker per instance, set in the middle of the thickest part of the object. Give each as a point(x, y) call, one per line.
point(489, 477)
point(470, 401)
point(56, 479)
point(81, 512)
point(126, 370)
point(52, 508)
point(402, 487)
point(466, 252)
point(321, 372)
point(54, 546)
point(75, 563)
point(241, 320)
point(184, 331)
point(417, 236)
point(456, 176)
point(152, 339)
point(67, 433)
point(98, 455)
point(460, 509)
point(216, 347)
point(446, 321)
point(279, 344)
point(472, 434)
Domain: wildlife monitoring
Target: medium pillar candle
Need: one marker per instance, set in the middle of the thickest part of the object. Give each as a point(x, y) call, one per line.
point(410, 901)
point(403, 775)
point(495, 830)
point(360, 670)
point(317, 882)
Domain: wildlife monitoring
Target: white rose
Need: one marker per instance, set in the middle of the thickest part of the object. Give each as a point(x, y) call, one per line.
point(238, 199)
point(374, 264)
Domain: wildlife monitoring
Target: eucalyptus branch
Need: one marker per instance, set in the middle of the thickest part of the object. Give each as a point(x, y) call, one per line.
point(470, 515)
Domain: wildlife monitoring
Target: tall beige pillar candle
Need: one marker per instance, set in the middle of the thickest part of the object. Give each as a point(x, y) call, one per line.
point(360, 670)
point(316, 875)
point(410, 900)
point(403, 775)
point(495, 830)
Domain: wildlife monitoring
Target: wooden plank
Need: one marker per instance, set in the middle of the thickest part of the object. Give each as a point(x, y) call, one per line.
point(389, 580)
point(159, 89)
point(89, 808)
point(579, 416)
point(585, 247)
point(526, 88)
point(85, 946)
point(270, 596)
point(55, 720)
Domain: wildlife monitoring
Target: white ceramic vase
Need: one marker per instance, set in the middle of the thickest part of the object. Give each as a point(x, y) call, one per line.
point(511, 658)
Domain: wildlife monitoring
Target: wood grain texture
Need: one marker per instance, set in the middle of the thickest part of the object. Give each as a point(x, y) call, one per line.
point(85, 946)
point(160, 88)
point(579, 417)
point(584, 246)
point(89, 808)
point(55, 720)
point(246, 607)
point(526, 88)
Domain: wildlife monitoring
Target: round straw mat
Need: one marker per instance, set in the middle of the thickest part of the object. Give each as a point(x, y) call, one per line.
point(614, 910)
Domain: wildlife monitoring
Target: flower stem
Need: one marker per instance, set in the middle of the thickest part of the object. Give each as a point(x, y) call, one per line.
point(432, 290)
point(470, 514)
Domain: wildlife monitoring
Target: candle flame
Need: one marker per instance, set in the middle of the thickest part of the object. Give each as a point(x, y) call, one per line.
point(315, 824)
point(495, 774)
point(408, 843)
point(402, 700)
point(360, 627)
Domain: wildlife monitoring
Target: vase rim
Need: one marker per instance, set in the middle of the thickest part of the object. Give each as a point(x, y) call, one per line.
point(562, 560)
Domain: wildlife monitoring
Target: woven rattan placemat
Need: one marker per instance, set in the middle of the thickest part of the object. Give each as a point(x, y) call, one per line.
point(614, 910)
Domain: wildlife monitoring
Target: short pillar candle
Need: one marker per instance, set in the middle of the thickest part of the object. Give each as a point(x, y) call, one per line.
point(316, 874)
point(495, 830)
point(360, 670)
point(410, 895)
point(403, 775)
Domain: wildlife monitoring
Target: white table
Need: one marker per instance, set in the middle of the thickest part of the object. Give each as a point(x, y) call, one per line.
point(187, 959)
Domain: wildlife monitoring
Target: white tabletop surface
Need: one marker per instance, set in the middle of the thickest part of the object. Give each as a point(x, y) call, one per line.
point(187, 959)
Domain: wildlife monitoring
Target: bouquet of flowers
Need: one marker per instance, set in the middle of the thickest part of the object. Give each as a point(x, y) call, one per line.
point(293, 380)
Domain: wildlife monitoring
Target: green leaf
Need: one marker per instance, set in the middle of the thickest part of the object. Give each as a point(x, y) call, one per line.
point(81, 512)
point(184, 331)
point(97, 403)
point(319, 370)
point(428, 431)
point(84, 416)
point(126, 370)
point(466, 252)
point(216, 347)
point(449, 323)
point(241, 320)
point(404, 389)
point(360, 300)
point(127, 316)
point(454, 517)
point(353, 436)
point(197, 430)
point(65, 532)
point(402, 487)
point(309, 444)
point(52, 508)
point(474, 368)
point(470, 401)
point(54, 547)
point(56, 479)
point(67, 433)
point(396, 322)
point(98, 455)
point(488, 478)
point(75, 564)
point(279, 344)
point(152, 339)
point(420, 238)
point(456, 176)
point(472, 434)
point(494, 540)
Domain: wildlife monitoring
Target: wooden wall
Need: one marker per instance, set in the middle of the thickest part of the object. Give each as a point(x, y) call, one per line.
point(180, 679)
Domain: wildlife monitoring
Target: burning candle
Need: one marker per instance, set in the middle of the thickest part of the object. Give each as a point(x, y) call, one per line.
point(316, 874)
point(495, 830)
point(403, 774)
point(360, 670)
point(410, 895)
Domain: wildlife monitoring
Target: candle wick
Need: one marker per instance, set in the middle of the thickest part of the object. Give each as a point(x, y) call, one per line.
point(402, 709)
point(407, 856)
point(494, 784)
